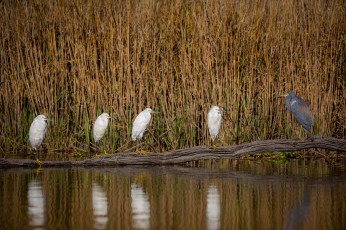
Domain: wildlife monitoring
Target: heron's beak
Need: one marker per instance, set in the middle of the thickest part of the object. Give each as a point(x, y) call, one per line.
point(110, 117)
point(152, 111)
point(221, 110)
point(48, 119)
point(282, 95)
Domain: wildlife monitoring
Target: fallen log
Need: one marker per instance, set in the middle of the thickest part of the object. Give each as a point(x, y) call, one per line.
point(192, 154)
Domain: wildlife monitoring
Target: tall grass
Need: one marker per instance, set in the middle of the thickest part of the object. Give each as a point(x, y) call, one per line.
point(76, 59)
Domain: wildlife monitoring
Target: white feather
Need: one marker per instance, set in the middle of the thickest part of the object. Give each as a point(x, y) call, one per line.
point(100, 126)
point(141, 124)
point(214, 121)
point(37, 131)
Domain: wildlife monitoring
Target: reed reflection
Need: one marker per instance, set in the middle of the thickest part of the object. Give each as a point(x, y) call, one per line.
point(100, 207)
point(213, 208)
point(36, 204)
point(140, 208)
point(247, 195)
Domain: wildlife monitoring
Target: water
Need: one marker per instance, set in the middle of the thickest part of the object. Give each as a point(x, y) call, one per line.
point(229, 194)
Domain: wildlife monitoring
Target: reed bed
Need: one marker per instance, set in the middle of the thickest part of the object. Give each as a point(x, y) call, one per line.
point(73, 60)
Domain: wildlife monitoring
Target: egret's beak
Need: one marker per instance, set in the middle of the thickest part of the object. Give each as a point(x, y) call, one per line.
point(221, 110)
point(152, 111)
point(282, 95)
point(110, 117)
point(48, 119)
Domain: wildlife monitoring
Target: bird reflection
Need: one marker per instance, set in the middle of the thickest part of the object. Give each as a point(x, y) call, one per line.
point(213, 208)
point(296, 216)
point(100, 207)
point(36, 204)
point(140, 208)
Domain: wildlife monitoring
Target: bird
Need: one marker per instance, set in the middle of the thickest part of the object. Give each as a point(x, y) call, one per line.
point(214, 122)
point(299, 109)
point(38, 129)
point(100, 127)
point(140, 124)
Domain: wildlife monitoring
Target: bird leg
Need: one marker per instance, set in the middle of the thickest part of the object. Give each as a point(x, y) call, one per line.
point(214, 146)
point(137, 147)
point(37, 171)
point(109, 154)
point(96, 155)
point(141, 151)
point(37, 160)
point(300, 132)
point(144, 152)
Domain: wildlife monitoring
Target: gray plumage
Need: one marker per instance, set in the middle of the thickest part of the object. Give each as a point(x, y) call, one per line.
point(299, 109)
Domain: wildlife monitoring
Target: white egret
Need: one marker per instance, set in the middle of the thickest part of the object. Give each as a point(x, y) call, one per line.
point(37, 131)
point(214, 122)
point(100, 127)
point(139, 126)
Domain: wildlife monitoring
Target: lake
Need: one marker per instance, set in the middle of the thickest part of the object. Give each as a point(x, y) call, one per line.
point(227, 194)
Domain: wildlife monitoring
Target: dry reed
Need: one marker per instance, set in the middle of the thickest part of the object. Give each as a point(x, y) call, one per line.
point(74, 60)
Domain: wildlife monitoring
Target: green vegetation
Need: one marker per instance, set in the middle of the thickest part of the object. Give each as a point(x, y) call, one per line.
point(74, 60)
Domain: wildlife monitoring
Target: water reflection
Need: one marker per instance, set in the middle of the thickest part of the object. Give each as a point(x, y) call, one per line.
point(36, 204)
point(297, 216)
point(140, 208)
point(233, 195)
point(100, 207)
point(213, 208)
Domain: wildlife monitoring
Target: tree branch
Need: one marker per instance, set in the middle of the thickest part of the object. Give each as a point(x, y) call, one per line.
point(192, 154)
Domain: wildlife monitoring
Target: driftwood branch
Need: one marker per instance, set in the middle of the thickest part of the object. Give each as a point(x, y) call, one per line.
point(192, 154)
